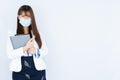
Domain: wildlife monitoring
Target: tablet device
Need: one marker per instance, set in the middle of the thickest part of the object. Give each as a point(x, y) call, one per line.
point(19, 40)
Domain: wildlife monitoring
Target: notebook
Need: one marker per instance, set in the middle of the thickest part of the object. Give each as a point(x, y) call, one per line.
point(19, 40)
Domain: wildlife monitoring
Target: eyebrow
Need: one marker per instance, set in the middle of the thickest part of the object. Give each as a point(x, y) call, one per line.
point(27, 14)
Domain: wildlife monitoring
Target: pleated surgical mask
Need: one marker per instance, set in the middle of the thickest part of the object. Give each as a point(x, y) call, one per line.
point(25, 22)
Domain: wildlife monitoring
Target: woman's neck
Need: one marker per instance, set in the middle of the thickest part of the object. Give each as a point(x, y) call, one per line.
point(26, 30)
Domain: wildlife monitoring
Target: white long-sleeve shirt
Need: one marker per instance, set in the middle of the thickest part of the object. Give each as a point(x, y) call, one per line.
point(15, 54)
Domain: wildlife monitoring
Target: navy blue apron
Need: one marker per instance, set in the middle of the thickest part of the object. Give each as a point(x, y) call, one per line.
point(28, 71)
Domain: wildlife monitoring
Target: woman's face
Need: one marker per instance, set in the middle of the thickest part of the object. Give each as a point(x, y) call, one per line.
point(25, 16)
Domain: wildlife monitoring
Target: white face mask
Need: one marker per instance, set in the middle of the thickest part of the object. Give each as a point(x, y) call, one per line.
point(25, 22)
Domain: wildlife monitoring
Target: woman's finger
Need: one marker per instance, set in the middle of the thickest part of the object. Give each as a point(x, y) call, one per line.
point(31, 39)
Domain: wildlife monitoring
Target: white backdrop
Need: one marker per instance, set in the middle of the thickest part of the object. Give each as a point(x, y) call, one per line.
point(82, 37)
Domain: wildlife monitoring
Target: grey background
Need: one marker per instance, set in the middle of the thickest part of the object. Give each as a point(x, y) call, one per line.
point(82, 37)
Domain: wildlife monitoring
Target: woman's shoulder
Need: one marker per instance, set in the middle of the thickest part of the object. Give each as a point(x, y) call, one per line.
point(11, 32)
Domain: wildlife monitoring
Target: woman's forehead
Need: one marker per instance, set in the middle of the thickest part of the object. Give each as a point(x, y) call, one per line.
point(23, 13)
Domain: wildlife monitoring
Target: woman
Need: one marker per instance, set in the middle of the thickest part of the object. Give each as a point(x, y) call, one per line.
point(27, 61)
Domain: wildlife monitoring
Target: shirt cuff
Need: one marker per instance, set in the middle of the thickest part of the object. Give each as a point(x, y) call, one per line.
point(37, 55)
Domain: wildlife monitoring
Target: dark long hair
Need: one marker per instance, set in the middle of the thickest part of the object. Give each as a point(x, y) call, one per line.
point(32, 27)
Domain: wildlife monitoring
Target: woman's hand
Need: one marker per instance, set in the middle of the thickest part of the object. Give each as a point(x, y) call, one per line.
point(32, 50)
point(30, 44)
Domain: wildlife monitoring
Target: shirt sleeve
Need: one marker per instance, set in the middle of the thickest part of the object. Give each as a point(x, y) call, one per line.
point(12, 53)
point(43, 51)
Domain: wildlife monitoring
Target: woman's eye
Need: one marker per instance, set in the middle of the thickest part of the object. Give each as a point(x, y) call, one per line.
point(29, 16)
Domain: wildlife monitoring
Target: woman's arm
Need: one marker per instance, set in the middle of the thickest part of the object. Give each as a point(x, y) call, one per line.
point(43, 50)
point(13, 53)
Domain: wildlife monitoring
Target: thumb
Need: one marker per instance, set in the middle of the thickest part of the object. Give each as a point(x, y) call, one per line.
point(31, 40)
